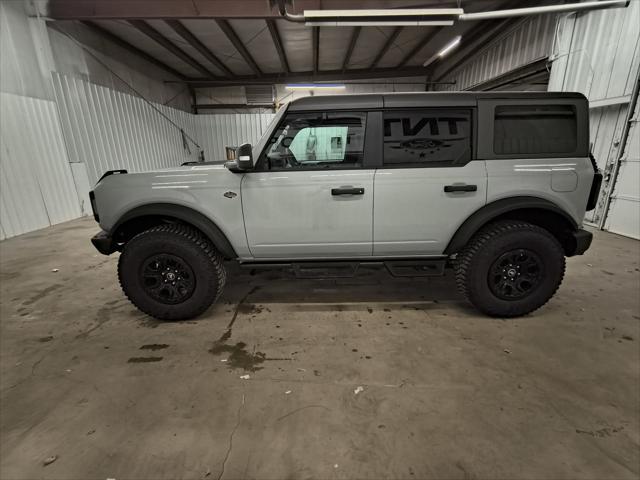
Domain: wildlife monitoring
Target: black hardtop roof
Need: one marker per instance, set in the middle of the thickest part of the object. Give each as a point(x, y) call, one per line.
point(417, 99)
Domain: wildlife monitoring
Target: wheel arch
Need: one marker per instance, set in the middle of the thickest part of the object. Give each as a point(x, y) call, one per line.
point(144, 217)
point(537, 211)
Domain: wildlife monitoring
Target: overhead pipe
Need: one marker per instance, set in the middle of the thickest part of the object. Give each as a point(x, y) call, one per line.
point(433, 16)
point(521, 12)
point(282, 9)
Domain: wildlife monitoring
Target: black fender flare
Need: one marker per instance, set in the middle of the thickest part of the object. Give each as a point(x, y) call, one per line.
point(186, 215)
point(492, 210)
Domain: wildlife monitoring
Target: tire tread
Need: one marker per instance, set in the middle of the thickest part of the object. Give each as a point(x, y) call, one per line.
point(463, 263)
point(201, 242)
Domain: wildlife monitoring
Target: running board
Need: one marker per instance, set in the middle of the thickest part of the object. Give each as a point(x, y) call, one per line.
point(349, 268)
point(416, 268)
point(325, 269)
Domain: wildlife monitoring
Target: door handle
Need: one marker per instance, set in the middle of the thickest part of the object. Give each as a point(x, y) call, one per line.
point(460, 188)
point(347, 191)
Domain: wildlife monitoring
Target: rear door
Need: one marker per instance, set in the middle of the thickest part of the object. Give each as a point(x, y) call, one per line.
point(428, 184)
point(311, 195)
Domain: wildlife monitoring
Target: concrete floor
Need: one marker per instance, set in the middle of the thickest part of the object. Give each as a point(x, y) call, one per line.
point(443, 391)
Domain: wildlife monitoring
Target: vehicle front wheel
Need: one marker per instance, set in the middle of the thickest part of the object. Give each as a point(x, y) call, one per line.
point(171, 272)
point(510, 268)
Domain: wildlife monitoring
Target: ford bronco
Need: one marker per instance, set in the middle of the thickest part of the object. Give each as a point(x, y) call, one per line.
point(493, 185)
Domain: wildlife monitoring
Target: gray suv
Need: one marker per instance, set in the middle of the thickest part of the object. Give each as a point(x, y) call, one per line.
point(493, 185)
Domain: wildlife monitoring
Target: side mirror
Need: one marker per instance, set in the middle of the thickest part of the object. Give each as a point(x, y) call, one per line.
point(244, 157)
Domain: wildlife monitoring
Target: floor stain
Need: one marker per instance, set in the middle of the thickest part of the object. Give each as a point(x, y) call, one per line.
point(144, 359)
point(601, 433)
point(103, 315)
point(239, 356)
point(6, 276)
point(249, 309)
point(154, 346)
point(41, 294)
point(45, 339)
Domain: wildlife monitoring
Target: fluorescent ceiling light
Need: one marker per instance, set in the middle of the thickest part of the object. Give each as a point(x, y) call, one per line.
point(398, 12)
point(381, 23)
point(446, 49)
point(450, 46)
point(400, 17)
point(315, 86)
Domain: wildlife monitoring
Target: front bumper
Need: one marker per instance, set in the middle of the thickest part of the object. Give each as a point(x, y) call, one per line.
point(580, 242)
point(104, 243)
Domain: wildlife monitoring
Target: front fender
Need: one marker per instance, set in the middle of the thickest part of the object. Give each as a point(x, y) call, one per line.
point(184, 214)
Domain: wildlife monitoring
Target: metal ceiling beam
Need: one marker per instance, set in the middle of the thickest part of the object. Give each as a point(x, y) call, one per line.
point(238, 45)
point(352, 44)
point(387, 45)
point(235, 106)
point(152, 33)
point(524, 72)
point(310, 77)
point(177, 9)
point(315, 32)
point(192, 40)
point(107, 35)
point(275, 36)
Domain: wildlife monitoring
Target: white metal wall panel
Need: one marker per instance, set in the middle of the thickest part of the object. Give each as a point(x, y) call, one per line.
point(229, 130)
point(107, 129)
point(530, 41)
point(37, 188)
point(624, 210)
point(597, 53)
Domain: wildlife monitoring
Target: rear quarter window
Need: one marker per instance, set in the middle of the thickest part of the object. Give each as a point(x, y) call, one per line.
point(534, 130)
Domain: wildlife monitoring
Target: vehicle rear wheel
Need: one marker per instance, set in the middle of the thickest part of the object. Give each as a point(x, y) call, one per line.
point(171, 272)
point(510, 268)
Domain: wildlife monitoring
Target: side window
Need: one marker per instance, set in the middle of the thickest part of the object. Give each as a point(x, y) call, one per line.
point(317, 140)
point(427, 138)
point(534, 129)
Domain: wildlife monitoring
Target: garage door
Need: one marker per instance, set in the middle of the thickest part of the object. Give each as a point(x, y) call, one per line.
point(624, 210)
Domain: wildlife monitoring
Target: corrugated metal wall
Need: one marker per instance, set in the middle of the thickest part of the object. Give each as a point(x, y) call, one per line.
point(107, 129)
point(36, 183)
point(598, 53)
point(215, 132)
point(528, 42)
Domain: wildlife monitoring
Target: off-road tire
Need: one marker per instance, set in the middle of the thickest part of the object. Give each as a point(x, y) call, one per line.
point(176, 241)
point(474, 264)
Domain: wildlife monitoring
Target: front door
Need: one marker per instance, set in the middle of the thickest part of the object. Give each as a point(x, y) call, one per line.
point(310, 195)
point(428, 184)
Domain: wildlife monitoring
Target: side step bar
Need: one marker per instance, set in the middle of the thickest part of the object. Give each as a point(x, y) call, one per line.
point(416, 268)
point(349, 268)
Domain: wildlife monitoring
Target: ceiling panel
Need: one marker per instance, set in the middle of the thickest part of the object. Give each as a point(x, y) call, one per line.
point(370, 41)
point(170, 34)
point(256, 38)
point(296, 41)
point(408, 38)
point(208, 32)
point(132, 35)
point(333, 45)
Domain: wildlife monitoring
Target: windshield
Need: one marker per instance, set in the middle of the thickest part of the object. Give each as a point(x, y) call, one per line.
point(258, 147)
